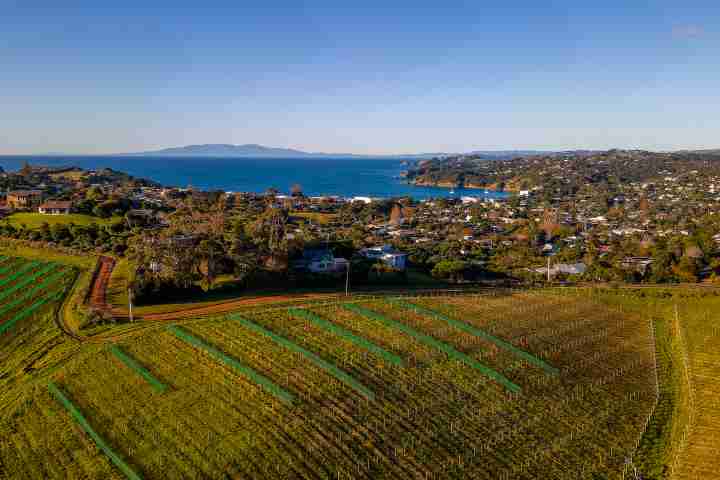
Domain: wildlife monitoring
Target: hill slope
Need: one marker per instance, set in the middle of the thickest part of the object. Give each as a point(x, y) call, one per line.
point(255, 150)
point(518, 385)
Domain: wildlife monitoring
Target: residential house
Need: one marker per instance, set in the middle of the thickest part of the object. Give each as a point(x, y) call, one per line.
point(55, 207)
point(387, 255)
point(24, 198)
point(320, 260)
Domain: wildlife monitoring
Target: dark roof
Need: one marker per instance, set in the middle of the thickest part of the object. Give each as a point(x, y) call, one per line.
point(21, 193)
point(316, 253)
point(56, 204)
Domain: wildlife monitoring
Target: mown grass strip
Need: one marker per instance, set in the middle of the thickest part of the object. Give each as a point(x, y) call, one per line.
point(26, 313)
point(134, 365)
point(478, 333)
point(327, 366)
point(435, 343)
point(246, 371)
point(346, 334)
point(27, 280)
point(24, 268)
point(82, 421)
point(9, 264)
point(48, 282)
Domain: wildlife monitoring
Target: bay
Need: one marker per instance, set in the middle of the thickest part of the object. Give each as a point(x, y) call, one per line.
point(345, 177)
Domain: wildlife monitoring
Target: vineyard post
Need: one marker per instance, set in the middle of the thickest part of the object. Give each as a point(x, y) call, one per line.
point(130, 308)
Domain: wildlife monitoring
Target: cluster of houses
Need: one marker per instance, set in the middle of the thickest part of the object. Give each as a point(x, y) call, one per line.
point(32, 200)
point(642, 211)
point(322, 260)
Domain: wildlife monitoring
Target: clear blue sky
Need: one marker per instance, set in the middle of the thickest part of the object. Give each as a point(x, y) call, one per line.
point(380, 77)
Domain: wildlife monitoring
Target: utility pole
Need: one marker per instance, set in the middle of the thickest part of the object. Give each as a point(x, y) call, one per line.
point(130, 293)
point(347, 280)
point(548, 269)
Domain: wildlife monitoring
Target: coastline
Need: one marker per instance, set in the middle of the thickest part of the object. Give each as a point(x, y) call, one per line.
point(465, 186)
point(375, 178)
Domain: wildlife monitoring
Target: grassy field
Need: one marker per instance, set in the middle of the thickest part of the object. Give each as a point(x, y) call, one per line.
point(699, 338)
point(315, 217)
point(33, 220)
point(84, 265)
point(71, 175)
point(30, 293)
point(16, 249)
point(525, 385)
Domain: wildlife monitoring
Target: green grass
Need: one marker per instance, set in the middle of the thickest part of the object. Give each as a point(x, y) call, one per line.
point(327, 366)
point(72, 309)
point(26, 281)
point(346, 334)
point(246, 371)
point(117, 293)
point(431, 417)
point(19, 273)
point(433, 342)
point(34, 220)
point(28, 294)
point(12, 248)
point(315, 217)
point(99, 441)
point(134, 365)
point(478, 333)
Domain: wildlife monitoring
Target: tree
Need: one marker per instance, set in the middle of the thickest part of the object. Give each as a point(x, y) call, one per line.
point(94, 194)
point(210, 252)
point(687, 270)
point(396, 214)
point(296, 190)
point(449, 269)
point(26, 169)
point(661, 270)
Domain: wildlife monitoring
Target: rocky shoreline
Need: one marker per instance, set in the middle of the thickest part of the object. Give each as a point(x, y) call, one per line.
point(468, 186)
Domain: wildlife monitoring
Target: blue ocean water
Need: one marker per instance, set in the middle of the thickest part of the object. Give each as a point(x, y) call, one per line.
point(347, 177)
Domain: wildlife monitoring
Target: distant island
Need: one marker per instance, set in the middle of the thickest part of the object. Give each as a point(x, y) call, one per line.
point(255, 150)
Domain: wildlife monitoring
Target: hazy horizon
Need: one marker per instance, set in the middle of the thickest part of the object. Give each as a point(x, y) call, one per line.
point(376, 79)
point(337, 154)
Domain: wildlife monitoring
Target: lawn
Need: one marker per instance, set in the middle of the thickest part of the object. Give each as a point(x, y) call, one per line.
point(16, 249)
point(75, 175)
point(315, 217)
point(34, 220)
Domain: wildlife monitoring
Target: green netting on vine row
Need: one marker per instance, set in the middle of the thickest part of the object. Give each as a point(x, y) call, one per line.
point(246, 371)
point(27, 280)
point(433, 342)
point(26, 313)
point(49, 281)
point(328, 367)
point(478, 333)
point(139, 369)
point(82, 421)
point(346, 334)
point(23, 269)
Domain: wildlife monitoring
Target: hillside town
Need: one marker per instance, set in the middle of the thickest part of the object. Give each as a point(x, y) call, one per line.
point(617, 216)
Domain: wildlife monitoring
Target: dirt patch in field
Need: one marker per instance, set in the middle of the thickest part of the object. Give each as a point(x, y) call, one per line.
point(98, 292)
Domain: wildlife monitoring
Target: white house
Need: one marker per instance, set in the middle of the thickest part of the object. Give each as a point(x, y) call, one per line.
point(328, 266)
point(387, 255)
